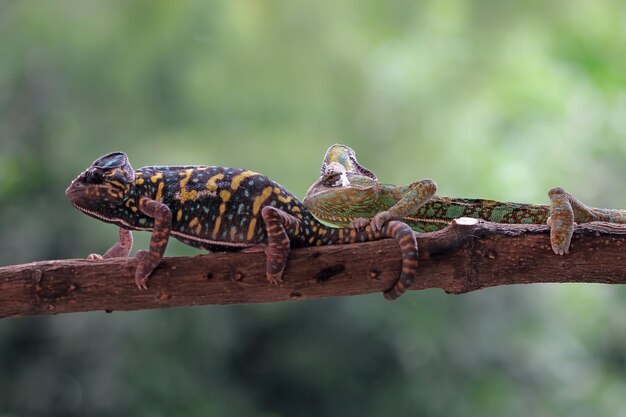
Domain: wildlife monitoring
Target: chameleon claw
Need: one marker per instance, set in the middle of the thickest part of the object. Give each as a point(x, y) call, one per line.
point(141, 283)
point(561, 230)
point(379, 220)
point(276, 261)
point(95, 256)
point(560, 245)
point(359, 223)
point(276, 278)
point(561, 220)
point(146, 262)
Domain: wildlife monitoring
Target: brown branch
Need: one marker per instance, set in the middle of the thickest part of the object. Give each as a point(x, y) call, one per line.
point(461, 258)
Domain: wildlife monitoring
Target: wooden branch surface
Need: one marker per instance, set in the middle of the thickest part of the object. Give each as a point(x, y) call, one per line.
point(466, 256)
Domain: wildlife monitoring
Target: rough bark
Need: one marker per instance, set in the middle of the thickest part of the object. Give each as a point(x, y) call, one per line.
point(467, 256)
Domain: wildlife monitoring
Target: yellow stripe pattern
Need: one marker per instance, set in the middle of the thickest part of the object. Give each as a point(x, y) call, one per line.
point(237, 179)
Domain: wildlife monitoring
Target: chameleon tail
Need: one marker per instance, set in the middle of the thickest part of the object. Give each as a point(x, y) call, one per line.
point(404, 235)
point(394, 229)
point(281, 225)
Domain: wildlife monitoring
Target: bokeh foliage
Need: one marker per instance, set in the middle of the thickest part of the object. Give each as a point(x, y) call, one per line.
point(492, 99)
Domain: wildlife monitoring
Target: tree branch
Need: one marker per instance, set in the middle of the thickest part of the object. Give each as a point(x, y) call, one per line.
point(466, 256)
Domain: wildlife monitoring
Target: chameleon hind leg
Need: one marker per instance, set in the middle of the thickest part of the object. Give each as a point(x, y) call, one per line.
point(121, 248)
point(566, 211)
point(413, 196)
point(279, 226)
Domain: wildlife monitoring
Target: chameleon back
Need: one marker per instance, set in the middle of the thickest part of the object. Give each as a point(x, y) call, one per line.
point(216, 207)
point(437, 213)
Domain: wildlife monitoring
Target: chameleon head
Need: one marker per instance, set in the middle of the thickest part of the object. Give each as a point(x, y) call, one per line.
point(340, 172)
point(343, 190)
point(333, 175)
point(336, 186)
point(344, 155)
point(103, 187)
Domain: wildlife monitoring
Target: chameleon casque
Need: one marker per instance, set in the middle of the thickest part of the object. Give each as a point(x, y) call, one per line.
point(214, 208)
point(349, 195)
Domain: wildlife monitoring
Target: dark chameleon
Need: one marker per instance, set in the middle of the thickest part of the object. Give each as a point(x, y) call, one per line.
point(216, 209)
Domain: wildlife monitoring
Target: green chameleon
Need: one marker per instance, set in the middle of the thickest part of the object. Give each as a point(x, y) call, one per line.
point(349, 195)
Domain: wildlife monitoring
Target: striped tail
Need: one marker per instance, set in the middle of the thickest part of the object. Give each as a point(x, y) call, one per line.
point(400, 231)
point(285, 230)
point(395, 229)
point(404, 235)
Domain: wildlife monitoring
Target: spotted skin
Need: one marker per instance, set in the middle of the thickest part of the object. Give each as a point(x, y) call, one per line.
point(216, 209)
point(349, 195)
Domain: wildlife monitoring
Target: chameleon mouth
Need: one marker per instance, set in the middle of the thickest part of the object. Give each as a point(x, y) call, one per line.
point(76, 190)
point(106, 219)
point(94, 214)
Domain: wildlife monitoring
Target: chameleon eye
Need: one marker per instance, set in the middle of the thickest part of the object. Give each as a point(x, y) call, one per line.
point(93, 177)
point(332, 179)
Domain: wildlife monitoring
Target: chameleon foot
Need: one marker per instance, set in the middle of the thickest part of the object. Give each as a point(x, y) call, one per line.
point(359, 223)
point(120, 249)
point(565, 209)
point(146, 263)
point(561, 221)
point(277, 254)
point(380, 219)
point(274, 271)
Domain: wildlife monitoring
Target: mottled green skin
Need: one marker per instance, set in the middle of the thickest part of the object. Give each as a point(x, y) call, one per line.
point(349, 195)
point(438, 212)
point(365, 198)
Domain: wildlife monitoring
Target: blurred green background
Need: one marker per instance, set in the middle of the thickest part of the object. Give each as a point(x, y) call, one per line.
point(492, 99)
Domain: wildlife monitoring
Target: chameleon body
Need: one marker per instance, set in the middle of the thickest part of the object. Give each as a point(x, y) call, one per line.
point(349, 195)
point(214, 208)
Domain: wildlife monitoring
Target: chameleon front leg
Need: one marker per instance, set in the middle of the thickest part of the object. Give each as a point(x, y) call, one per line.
point(414, 196)
point(148, 260)
point(278, 223)
point(120, 249)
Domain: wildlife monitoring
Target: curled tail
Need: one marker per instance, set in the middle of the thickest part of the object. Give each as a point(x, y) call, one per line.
point(284, 230)
point(405, 237)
